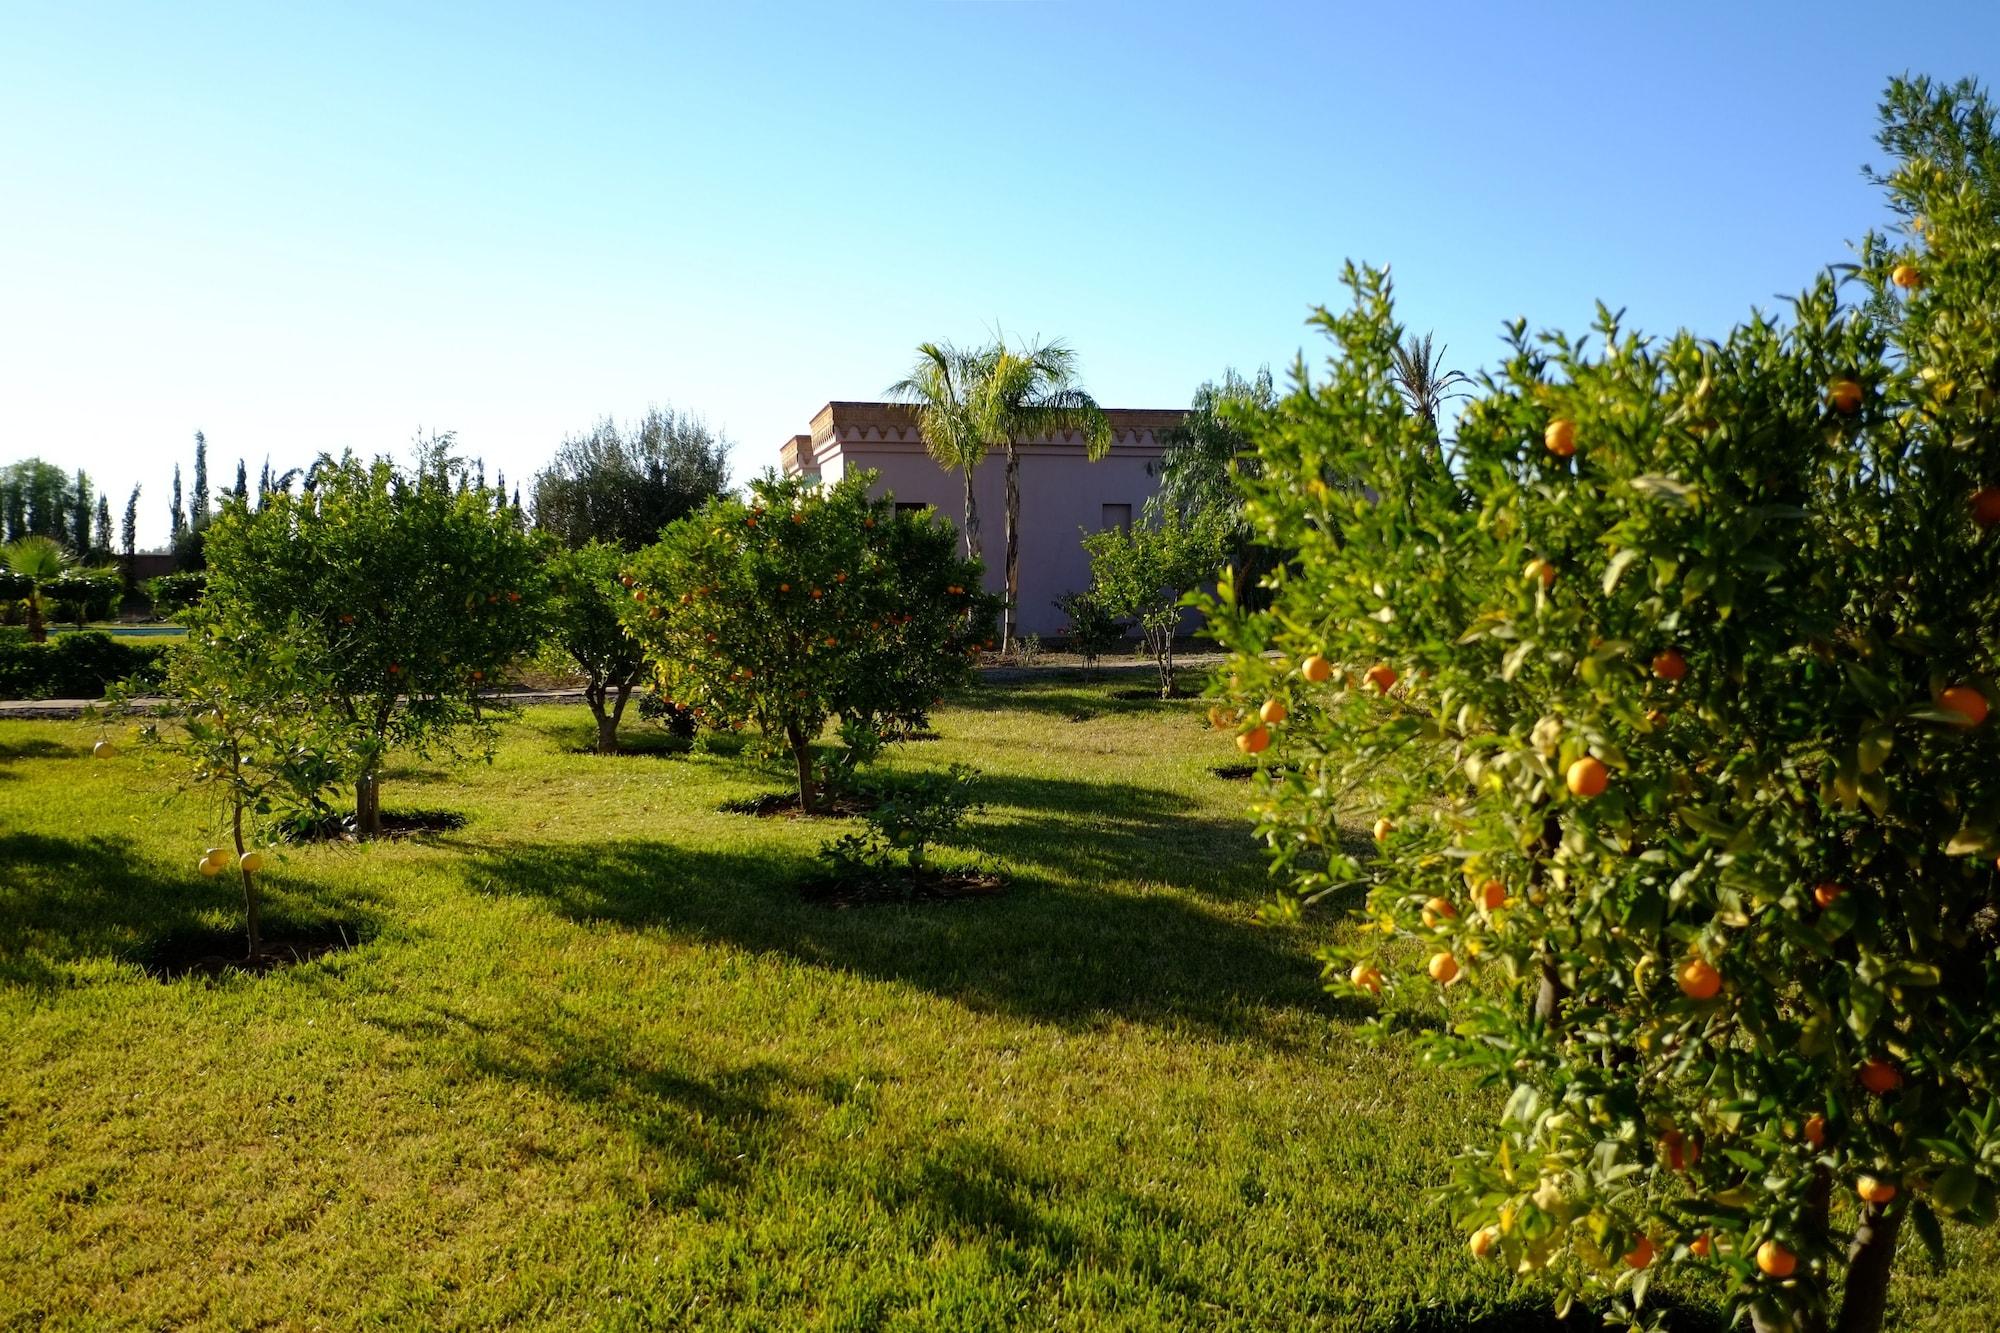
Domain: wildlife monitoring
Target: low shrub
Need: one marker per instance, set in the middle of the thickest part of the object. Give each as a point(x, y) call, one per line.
point(74, 666)
point(910, 815)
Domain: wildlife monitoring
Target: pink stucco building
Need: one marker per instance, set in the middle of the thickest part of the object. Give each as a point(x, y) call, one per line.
point(1063, 493)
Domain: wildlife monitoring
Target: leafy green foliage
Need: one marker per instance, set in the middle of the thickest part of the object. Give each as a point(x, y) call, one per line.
point(586, 635)
point(625, 485)
point(1143, 573)
point(802, 604)
point(912, 814)
point(413, 593)
point(1092, 630)
point(1673, 712)
point(170, 593)
point(75, 666)
point(77, 595)
point(1203, 453)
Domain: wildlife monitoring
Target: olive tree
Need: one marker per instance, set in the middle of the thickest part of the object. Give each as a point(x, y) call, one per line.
point(585, 634)
point(1673, 704)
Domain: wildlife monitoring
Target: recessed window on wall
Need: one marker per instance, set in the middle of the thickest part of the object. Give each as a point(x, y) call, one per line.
point(1116, 516)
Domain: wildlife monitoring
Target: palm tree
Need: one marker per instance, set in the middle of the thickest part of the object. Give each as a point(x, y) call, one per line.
point(942, 383)
point(1022, 395)
point(1420, 376)
point(38, 560)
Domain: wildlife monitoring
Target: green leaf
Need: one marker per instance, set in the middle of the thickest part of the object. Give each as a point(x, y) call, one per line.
point(1928, 1230)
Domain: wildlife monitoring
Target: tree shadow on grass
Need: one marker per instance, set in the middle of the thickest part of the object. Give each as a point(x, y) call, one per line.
point(1097, 831)
point(701, 1126)
point(1045, 951)
point(65, 901)
point(1537, 1315)
point(14, 752)
point(962, 1189)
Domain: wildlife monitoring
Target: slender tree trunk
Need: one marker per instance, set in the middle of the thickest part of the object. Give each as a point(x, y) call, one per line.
point(1549, 994)
point(973, 549)
point(1869, 1259)
point(368, 804)
point(607, 723)
point(607, 728)
point(802, 756)
point(37, 633)
point(1013, 546)
point(250, 905)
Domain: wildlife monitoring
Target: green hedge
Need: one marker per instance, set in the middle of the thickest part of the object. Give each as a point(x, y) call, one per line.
point(74, 666)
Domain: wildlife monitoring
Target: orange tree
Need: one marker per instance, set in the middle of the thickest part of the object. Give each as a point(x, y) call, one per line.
point(1671, 703)
point(412, 590)
point(800, 605)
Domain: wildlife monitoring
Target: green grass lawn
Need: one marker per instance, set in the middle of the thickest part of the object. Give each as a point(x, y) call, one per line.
point(597, 1065)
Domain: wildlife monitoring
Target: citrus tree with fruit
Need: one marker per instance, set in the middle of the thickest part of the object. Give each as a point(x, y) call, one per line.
point(243, 719)
point(415, 592)
point(1669, 704)
point(800, 605)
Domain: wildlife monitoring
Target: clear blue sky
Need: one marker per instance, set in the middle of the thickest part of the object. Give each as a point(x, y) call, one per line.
point(309, 227)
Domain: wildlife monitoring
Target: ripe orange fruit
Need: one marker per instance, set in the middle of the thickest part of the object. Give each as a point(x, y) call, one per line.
point(1587, 777)
point(1907, 277)
point(1254, 741)
point(1492, 894)
point(1366, 978)
point(1443, 969)
point(1539, 569)
point(1699, 980)
point(1382, 676)
point(1274, 711)
point(1774, 1260)
point(1844, 396)
point(1383, 828)
point(1875, 1190)
point(832, 642)
point(1966, 702)
point(1316, 669)
point(1641, 1254)
point(1221, 718)
point(1815, 1131)
point(1880, 1077)
point(1668, 664)
point(395, 668)
point(1702, 1246)
point(784, 587)
point(1680, 1151)
point(1483, 1241)
point(1438, 909)
point(1560, 437)
point(1827, 894)
point(478, 675)
point(1986, 506)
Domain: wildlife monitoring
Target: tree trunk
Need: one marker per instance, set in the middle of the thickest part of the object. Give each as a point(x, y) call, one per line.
point(607, 721)
point(607, 726)
point(1551, 991)
point(37, 633)
point(1868, 1262)
point(973, 550)
point(251, 903)
point(802, 756)
point(368, 805)
point(1013, 546)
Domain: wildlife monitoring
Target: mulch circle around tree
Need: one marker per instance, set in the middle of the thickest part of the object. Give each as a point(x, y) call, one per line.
point(395, 824)
point(777, 804)
point(1153, 696)
point(216, 953)
point(902, 737)
point(931, 886)
point(1234, 772)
